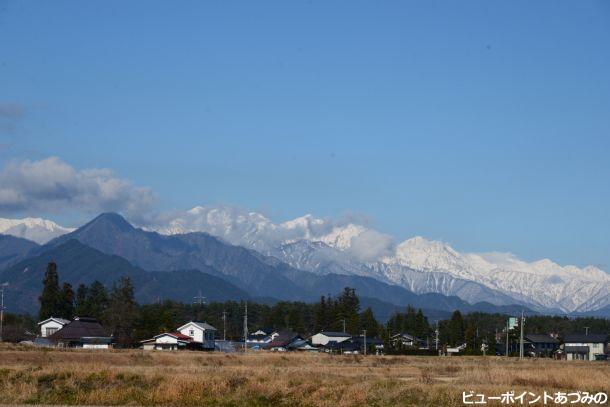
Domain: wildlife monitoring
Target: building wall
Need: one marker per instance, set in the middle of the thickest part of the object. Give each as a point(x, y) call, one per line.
point(199, 335)
point(96, 346)
point(321, 339)
point(166, 339)
point(49, 324)
point(193, 331)
point(594, 349)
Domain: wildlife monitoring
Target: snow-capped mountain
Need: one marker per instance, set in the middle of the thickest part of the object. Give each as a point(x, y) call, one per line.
point(35, 229)
point(324, 246)
point(421, 265)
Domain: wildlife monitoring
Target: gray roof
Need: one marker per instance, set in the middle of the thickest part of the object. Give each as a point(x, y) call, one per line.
point(541, 338)
point(582, 338)
point(80, 328)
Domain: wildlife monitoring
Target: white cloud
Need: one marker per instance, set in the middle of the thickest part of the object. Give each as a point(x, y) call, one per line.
point(51, 185)
point(254, 230)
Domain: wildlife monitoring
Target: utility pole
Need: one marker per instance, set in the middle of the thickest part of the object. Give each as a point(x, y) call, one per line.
point(521, 336)
point(436, 333)
point(343, 325)
point(586, 330)
point(246, 329)
point(507, 328)
point(2, 309)
point(476, 338)
point(224, 325)
point(364, 334)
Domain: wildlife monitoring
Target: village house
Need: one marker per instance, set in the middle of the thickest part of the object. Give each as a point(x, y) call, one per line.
point(584, 347)
point(51, 325)
point(405, 340)
point(261, 338)
point(192, 335)
point(540, 345)
point(323, 338)
point(283, 341)
point(203, 334)
point(301, 345)
point(346, 347)
point(81, 332)
point(167, 341)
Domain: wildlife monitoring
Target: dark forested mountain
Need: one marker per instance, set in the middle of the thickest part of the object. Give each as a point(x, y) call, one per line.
point(109, 247)
point(112, 234)
point(78, 263)
point(13, 249)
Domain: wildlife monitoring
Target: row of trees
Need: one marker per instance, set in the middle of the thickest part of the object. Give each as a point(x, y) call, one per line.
point(130, 322)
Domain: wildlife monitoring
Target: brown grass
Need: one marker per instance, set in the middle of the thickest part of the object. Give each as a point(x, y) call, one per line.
point(34, 376)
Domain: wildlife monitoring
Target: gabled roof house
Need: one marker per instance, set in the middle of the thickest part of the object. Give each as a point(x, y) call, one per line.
point(82, 332)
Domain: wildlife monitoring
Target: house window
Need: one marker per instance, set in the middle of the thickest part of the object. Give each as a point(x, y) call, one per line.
point(192, 332)
point(51, 331)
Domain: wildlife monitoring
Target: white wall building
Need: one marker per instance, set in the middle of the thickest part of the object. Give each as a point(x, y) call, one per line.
point(323, 338)
point(584, 347)
point(167, 341)
point(200, 332)
point(51, 325)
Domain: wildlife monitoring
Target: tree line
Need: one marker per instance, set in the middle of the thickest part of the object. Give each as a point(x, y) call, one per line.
point(130, 322)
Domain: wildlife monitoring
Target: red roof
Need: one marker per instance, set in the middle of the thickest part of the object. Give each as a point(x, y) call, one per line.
point(181, 336)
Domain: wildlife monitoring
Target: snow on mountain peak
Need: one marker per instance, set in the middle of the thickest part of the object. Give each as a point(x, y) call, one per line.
point(35, 229)
point(323, 245)
point(429, 255)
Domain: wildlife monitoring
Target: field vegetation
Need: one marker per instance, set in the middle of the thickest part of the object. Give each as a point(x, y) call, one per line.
point(135, 377)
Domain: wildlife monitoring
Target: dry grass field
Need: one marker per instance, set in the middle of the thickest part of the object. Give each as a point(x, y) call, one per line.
point(186, 378)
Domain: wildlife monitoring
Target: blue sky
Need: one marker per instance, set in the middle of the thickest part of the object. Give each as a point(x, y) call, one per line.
point(483, 123)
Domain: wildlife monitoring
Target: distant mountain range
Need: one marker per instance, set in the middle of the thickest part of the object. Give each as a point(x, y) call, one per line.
point(418, 264)
point(179, 265)
point(35, 229)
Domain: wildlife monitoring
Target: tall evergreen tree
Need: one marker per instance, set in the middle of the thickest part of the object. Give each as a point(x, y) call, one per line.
point(456, 329)
point(421, 328)
point(348, 308)
point(97, 300)
point(368, 322)
point(321, 315)
point(81, 308)
point(122, 311)
point(67, 301)
point(50, 299)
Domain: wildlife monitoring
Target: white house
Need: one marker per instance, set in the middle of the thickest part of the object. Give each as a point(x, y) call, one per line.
point(323, 338)
point(262, 337)
point(201, 333)
point(584, 347)
point(51, 325)
point(404, 339)
point(167, 341)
